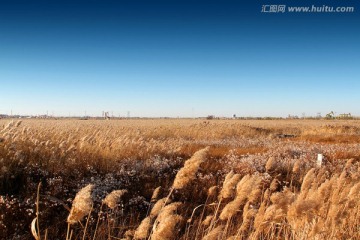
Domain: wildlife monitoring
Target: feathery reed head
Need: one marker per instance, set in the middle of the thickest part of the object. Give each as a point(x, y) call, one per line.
point(143, 230)
point(168, 228)
point(81, 205)
point(207, 220)
point(212, 191)
point(271, 164)
point(156, 194)
point(188, 172)
point(158, 206)
point(113, 198)
point(214, 234)
point(229, 185)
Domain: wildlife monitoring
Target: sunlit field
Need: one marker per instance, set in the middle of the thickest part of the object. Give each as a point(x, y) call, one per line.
point(179, 179)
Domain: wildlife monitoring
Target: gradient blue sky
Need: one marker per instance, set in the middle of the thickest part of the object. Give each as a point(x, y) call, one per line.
point(177, 58)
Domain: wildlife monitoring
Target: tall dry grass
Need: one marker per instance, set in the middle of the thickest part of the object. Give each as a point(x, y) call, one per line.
point(185, 179)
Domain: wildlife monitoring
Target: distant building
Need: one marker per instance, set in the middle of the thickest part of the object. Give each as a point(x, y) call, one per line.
point(344, 116)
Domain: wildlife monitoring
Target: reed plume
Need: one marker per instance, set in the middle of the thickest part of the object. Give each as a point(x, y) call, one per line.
point(188, 173)
point(156, 194)
point(212, 191)
point(168, 228)
point(143, 230)
point(229, 185)
point(207, 220)
point(214, 234)
point(168, 223)
point(271, 164)
point(158, 207)
point(113, 198)
point(81, 205)
point(245, 187)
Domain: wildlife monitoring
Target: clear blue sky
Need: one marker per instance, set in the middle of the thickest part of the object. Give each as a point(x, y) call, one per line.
point(177, 58)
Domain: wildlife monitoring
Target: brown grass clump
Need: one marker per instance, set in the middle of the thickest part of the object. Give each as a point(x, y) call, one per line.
point(113, 198)
point(187, 173)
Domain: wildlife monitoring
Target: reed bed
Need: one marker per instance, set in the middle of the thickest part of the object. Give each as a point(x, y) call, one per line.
point(179, 179)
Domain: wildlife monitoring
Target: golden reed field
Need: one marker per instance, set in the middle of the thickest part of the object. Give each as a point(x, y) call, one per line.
point(179, 179)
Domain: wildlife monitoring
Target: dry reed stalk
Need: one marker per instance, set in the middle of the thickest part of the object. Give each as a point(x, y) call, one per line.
point(37, 210)
point(97, 221)
point(268, 217)
point(81, 205)
point(273, 215)
point(214, 218)
point(212, 192)
point(248, 219)
point(258, 221)
point(188, 222)
point(33, 229)
point(87, 223)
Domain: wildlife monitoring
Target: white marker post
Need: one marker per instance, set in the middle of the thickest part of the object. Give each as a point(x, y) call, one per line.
point(319, 160)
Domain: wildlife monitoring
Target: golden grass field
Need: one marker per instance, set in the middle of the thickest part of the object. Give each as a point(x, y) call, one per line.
point(179, 179)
